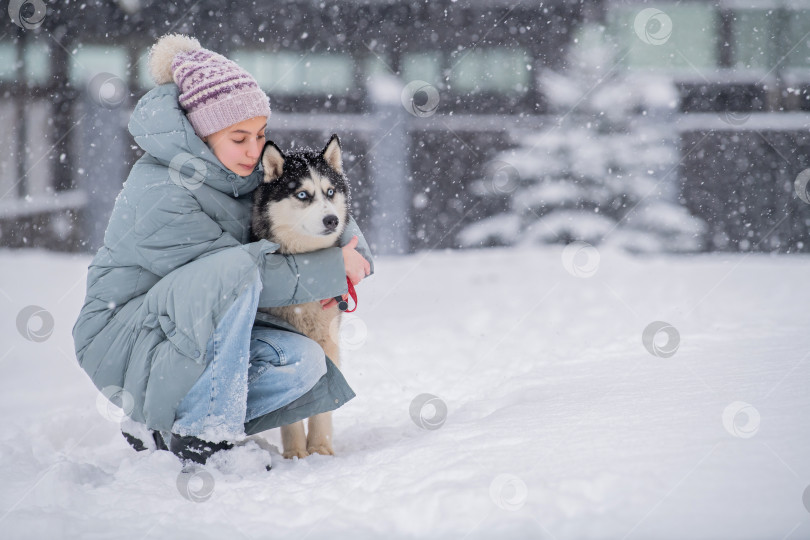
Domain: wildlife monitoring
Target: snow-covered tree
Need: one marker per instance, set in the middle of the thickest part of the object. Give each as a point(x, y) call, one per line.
point(604, 171)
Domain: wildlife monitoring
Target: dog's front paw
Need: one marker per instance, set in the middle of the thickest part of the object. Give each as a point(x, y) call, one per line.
point(299, 453)
point(325, 449)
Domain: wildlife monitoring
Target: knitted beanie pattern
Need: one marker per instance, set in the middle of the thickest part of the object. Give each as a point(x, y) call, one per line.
point(214, 91)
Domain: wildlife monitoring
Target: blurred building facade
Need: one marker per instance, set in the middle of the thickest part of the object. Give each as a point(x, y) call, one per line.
point(742, 73)
point(467, 87)
point(70, 152)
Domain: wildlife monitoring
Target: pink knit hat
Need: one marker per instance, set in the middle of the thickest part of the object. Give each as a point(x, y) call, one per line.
point(214, 91)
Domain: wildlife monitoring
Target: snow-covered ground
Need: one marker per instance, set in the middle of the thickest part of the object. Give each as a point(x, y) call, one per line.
point(559, 422)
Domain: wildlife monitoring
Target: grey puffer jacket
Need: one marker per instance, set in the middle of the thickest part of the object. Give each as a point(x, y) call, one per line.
point(176, 254)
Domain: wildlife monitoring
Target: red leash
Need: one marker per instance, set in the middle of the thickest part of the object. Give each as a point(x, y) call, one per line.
point(353, 294)
point(343, 305)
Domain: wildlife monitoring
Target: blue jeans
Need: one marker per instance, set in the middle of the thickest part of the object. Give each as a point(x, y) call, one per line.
point(252, 370)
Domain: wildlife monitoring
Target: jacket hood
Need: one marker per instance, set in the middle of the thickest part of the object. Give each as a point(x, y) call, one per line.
point(160, 126)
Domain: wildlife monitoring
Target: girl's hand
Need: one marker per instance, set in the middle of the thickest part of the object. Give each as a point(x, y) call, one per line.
point(331, 302)
point(357, 267)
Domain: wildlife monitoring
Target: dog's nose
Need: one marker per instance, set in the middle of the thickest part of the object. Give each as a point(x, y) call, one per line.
point(330, 222)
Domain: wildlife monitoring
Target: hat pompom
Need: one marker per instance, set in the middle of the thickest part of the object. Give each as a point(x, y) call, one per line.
point(163, 52)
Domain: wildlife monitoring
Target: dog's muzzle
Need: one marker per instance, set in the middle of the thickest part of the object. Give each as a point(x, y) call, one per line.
point(331, 223)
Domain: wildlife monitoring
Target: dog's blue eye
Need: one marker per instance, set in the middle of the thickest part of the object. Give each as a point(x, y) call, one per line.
point(302, 195)
point(330, 192)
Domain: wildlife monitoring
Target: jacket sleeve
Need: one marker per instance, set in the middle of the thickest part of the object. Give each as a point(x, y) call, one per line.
point(172, 230)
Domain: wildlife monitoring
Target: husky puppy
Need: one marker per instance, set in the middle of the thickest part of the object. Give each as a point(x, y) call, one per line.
point(303, 205)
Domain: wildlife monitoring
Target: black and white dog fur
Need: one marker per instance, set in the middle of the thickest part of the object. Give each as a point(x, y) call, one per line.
point(303, 205)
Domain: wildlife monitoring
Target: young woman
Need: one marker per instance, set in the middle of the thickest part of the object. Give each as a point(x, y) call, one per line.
point(168, 329)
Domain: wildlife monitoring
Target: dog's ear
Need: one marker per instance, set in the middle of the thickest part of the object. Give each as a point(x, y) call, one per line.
point(332, 154)
point(272, 161)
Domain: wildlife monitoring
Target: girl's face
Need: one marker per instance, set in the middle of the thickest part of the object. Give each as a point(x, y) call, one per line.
point(239, 146)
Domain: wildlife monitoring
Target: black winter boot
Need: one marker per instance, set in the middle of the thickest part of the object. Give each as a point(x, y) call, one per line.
point(142, 438)
point(190, 448)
